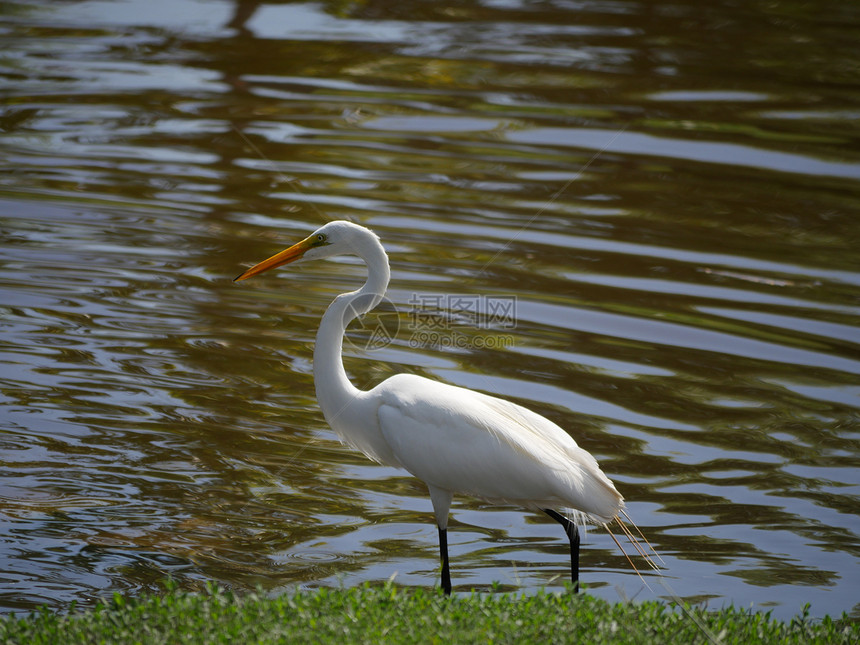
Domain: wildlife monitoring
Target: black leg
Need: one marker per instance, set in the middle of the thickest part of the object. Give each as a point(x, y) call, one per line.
point(573, 536)
point(443, 550)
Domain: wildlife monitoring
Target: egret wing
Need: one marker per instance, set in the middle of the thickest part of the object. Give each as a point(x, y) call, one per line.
point(466, 442)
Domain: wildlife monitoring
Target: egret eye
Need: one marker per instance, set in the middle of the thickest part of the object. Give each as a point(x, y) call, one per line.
point(320, 238)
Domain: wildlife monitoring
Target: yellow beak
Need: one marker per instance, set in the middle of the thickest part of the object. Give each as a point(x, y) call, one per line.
point(286, 256)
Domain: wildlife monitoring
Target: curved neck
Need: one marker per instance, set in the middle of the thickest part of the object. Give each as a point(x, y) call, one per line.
point(334, 390)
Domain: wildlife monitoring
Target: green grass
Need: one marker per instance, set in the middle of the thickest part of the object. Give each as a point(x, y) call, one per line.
point(391, 615)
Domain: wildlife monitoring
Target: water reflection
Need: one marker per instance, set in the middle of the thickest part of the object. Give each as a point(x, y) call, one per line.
point(675, 214)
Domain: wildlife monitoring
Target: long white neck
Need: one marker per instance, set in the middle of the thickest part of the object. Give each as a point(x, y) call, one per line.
point(334, 390)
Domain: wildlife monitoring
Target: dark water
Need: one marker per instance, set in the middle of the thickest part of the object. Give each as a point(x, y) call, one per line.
point(669, 192)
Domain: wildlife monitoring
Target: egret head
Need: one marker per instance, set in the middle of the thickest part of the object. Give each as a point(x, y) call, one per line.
point(335, 238)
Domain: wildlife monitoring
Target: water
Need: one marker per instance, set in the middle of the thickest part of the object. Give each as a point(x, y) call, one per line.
point(668, 192)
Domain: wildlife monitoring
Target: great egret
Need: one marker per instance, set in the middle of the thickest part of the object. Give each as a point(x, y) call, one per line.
point(453, 439)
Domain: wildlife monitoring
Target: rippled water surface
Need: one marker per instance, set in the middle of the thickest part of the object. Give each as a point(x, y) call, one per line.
point(665, 193)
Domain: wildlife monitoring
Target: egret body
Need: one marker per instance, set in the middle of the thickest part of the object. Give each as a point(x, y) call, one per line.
point(453, 439)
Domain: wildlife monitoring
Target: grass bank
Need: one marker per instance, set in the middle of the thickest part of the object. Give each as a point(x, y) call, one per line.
point(391, 615)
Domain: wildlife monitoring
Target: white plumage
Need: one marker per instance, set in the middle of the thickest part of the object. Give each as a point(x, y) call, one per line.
point(466, 442)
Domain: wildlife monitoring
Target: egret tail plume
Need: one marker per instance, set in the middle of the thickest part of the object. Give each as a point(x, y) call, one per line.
point(644, 539)
point(624, 553)
point(636, 543)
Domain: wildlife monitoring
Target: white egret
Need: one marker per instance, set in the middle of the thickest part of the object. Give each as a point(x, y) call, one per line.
point(453, 439)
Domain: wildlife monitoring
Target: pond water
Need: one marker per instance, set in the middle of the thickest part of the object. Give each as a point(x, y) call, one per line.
point(659, 200)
